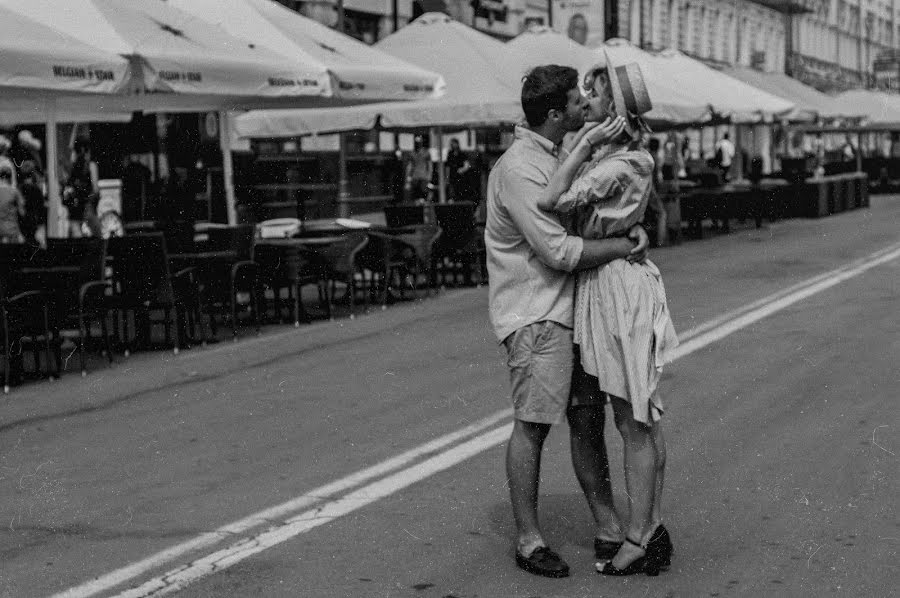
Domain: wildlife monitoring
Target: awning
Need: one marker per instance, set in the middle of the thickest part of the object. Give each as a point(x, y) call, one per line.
point(729, 97)
point(875, 106)
point(810, 102)
point(541, 45)
point(480, 91)
point(672, 74)
point(342, 66)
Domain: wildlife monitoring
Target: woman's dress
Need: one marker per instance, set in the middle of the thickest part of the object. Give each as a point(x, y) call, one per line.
point(622, 323)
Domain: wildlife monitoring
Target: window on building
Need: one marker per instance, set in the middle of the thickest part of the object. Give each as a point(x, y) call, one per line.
point(684, 13)
point(713, 25)
point(699, 30)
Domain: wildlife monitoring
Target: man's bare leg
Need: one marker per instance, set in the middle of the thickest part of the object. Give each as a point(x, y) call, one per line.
point(523, 466)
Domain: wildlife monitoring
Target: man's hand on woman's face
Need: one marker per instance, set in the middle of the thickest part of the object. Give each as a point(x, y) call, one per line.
point(639, 252)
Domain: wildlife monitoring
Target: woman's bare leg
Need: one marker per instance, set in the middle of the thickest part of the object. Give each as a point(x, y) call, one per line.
point(640, 478)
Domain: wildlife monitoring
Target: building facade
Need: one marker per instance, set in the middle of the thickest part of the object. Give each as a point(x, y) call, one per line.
point(830, 44)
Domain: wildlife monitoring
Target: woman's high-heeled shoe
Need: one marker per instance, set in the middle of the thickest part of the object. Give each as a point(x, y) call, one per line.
point(659, 547)
point(644, 564)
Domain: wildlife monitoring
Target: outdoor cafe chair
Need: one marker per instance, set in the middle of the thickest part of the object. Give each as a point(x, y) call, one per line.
point(143, 283)
point(287, 266)
point(230, 284)
point(78, 290)
point(405, 255)
point(461, 245)
point(341, 264)
point(24, 313)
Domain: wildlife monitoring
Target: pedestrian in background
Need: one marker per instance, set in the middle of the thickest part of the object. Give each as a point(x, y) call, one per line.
point(418, 171)
point(724, 156)
point(5, 160)
point(458, 167)
point(82, 191)
point(34, 218)
point(12, 206)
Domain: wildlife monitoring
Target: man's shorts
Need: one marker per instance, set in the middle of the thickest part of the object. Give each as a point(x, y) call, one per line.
point(540, 371)
point(543, 373)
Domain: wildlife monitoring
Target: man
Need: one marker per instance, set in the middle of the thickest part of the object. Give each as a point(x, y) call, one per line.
point(418, 171)
point(457, 168)
point(530, 258)
point(725, 155)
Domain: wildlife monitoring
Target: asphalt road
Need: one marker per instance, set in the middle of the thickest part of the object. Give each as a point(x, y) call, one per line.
point(782, 435)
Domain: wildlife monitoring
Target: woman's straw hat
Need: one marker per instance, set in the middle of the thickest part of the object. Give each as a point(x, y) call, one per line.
point(628, 88)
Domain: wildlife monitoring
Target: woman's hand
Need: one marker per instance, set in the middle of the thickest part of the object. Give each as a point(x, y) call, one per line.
point(642, 242)
point(601, 134)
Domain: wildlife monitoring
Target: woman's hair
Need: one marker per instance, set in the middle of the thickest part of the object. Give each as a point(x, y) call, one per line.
point(6, 173)
point(546, 88)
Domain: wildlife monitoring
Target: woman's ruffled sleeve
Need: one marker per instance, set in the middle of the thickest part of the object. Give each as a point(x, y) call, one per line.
point(596, 184)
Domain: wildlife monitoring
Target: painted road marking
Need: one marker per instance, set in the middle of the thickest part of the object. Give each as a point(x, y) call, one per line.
point(179, 578)
point(286, 509)
point(332, 508)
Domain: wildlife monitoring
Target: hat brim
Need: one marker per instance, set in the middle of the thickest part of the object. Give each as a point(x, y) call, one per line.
point(631, 100)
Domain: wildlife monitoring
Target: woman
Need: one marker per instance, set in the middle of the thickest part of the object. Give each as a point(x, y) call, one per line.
point(622, 324)
point(12, 207)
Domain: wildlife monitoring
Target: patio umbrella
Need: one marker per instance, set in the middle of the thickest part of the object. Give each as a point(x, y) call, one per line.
point(810, 102)
point(877, 107)
point(729, 97)
point(541, 45)
point(341, 66)
point(178, 61)
point(479, 90)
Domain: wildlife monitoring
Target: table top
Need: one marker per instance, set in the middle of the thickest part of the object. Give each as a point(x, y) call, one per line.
point(204, 255)
point(302, 241)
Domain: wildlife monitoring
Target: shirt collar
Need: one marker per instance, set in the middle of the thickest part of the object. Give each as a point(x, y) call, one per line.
point(542, 142)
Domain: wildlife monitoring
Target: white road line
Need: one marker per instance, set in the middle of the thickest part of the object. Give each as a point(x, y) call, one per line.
point(736, 313)
point(833, 278)
point(183, 576)
point(286, 509)
point(697, 338)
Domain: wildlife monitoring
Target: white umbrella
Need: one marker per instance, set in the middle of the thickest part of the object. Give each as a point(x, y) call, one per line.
point(341, 66)
point(178, 61)
point(875, 106)
point(541, 45)
point(480, 91)
point(731, 98)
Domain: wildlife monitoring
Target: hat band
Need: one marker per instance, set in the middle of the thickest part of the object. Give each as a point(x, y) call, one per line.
point(627, 91)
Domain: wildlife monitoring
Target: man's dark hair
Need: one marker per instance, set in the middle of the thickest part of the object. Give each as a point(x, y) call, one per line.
point(546, 88)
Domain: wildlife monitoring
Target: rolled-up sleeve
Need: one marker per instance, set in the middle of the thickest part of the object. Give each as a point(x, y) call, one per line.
point(542, 230)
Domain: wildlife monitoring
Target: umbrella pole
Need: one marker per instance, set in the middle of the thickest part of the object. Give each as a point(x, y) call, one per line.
point(343, 192)
point(442, 175)
point(227, 166)
point(739, 152)
point(54, 202)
